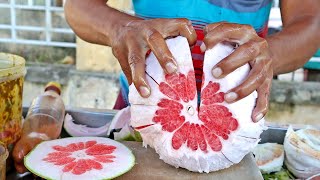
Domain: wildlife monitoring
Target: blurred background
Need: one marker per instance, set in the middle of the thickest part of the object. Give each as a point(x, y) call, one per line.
point(37, 31)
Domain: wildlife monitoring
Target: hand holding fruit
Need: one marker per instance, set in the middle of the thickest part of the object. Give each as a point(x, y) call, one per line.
point(253, 50)
point(131, 44)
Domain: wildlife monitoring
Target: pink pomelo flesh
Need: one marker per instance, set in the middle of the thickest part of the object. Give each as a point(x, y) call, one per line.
point(80, 158)
point(216, 119)
point(206, 137)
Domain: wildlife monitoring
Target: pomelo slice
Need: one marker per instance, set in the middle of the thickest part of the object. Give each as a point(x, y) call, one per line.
point(80, 158)
point(202, 138)
point(81, 130)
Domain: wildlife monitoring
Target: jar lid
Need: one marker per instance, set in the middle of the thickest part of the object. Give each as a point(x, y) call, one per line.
point(11, 65)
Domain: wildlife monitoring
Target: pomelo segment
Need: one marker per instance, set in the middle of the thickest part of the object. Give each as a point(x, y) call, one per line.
point(204, 138)
point(80, 158)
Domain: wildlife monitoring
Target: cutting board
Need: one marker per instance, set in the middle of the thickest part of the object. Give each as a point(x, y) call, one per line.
point(148, 166)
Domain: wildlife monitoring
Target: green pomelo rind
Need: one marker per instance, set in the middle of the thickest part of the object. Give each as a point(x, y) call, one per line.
point(127, 134)
point(137, 136)
point(127, 137)
point(124, 134)
point(28, 161)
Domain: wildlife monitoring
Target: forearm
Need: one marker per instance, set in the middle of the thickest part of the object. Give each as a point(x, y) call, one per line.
point(295, 44)
point(94, 21)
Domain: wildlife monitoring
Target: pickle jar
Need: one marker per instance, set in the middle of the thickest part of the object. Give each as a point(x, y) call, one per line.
point(12, 72)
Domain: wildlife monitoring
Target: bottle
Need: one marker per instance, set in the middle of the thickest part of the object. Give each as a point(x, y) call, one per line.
point(43, 122)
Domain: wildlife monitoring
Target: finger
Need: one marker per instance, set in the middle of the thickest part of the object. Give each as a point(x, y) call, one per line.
point(235, 33)
point(242, 55)
point(136, 60)
point(176, 27)
point(256, 77)
point(262, 101)
point(160, 49)
point(120, 54)
point(209, 27)
point(20, 168)
point(18, 153)
point(126, 70)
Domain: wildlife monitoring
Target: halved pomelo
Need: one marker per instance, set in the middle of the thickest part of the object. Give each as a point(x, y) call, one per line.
point(80, 158)
point(201, 137)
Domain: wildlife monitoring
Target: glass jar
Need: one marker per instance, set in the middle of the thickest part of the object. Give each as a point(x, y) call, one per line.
point(12, 72)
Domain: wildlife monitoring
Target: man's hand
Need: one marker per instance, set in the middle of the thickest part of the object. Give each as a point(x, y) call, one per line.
point(251, 49)
point(133, 40)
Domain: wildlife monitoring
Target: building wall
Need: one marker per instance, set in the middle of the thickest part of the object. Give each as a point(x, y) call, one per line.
point(91, 57)
point(290, 102)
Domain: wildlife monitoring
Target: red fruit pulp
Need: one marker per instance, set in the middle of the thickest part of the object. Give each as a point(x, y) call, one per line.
point(215, 119)
point(81, 157)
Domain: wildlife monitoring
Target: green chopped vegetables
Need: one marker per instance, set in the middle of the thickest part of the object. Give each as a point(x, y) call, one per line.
point(283, 174)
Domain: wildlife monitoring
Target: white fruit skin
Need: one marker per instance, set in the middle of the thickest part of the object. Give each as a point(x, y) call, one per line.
point(80, 130)
point(121, 119)
point(124, 161)
point(266, 152)
point(297, 160)
point(237, 146)
point(240, 142)
point(274, 166)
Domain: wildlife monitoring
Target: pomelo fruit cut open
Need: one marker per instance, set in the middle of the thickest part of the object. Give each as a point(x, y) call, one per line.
point(206, 137)
point(80, 158)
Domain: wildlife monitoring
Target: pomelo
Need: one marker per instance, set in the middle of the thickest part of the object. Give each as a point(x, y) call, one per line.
point(201, 137)
point(269, 157)
point(302, 152)
point(80, 158)
point(81, 130)
point(120, 127)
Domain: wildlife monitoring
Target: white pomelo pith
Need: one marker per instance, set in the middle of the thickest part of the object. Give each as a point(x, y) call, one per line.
point(213, 138)
point(80, 158)
point(81, 130)
point(269, 157)
point(302, 152)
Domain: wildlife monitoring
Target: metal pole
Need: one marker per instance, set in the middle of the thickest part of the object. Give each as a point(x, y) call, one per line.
point(48, 21)
point(30, 2)
point(13, 20)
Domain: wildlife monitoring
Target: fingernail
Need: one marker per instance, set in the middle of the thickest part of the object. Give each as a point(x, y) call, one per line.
point(258, 117)
point(144, 91)
point(231, 96)
point(216, 72)
point(203, 47)
point(171, 68)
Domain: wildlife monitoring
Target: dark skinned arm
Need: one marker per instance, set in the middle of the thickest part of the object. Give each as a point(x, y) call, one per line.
point(280, 53)
point(94, 21)
point(130, 37)
point(292, 47)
